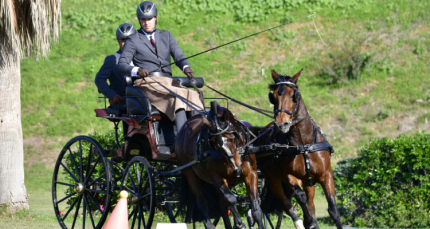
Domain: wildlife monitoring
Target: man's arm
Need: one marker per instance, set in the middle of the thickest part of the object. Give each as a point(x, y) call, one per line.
point(176, 53)
point(127, 57)
point(102, 76)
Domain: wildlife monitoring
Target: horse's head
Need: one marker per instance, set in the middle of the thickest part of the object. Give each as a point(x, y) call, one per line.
point(225, 134)
point(285, 99)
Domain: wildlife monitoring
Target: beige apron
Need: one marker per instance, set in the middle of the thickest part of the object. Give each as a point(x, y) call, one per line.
point(163, 100)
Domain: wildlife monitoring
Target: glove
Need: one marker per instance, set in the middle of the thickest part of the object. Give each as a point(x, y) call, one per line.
point(116, 99)
point(189, 73)
point(142, 72)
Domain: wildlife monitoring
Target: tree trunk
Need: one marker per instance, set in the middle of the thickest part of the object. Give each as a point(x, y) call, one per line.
point(12, 189)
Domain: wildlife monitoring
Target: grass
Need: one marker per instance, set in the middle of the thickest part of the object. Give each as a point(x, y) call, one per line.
point(41, 213)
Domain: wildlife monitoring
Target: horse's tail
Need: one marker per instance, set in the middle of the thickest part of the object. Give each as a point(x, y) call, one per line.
point(188, 203)
point(269, 203)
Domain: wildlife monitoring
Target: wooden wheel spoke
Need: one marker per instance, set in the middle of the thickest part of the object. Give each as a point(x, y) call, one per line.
point(67, 184)
point(140, 216)
point(90, 155)
point(132, 182)
point(95, 203)
point(84, 212)
point(89, 210)
point(98, 178)
point(71, 207)
point(76, 212)
point(144, 196)
point(131, 213)
point(134, 217)
point(92, 170)
point(96, 191)
point(80, 160)
point(67, 197)
point(137, 174)
point(71, 174)
point(74, 162)
point(129, 190)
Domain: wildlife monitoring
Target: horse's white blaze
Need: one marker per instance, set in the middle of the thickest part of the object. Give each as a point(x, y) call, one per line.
point(228, 152)
point(299, 224)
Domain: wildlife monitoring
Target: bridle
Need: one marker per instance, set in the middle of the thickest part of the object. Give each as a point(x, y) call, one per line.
point(219, 131)
point(296, 98)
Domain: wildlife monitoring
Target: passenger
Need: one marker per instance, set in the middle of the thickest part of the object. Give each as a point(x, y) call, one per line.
point(116, 90)
point(149, 49)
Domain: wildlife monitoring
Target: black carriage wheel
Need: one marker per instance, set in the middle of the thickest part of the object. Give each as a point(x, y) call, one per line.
point(81, 188)
point(138, 181)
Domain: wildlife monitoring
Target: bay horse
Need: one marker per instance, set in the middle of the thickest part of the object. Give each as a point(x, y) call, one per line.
point(294, 127)
point(227, 137)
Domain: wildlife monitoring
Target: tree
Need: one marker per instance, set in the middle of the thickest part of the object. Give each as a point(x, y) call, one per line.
point(27, 27)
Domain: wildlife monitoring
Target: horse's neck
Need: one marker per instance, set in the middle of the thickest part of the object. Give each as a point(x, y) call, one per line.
point(302, 133)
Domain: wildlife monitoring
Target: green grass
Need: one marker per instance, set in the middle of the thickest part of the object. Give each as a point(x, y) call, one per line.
point(41, 213)
point(59, 96)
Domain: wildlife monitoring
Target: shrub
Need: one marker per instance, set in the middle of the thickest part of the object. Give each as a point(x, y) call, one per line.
point(388, 185)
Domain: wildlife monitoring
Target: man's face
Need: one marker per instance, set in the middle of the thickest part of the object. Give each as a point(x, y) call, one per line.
point(121, 43)
point(148, 24)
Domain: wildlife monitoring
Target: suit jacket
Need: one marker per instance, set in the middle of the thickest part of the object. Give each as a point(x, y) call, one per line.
point(109, 71)
point(139, 50)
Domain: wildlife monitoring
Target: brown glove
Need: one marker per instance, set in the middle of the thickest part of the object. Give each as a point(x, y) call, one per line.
point(189, 73)
point(142, 72)
point(116, 99)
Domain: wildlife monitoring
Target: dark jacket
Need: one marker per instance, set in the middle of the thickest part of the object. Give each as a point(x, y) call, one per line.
point(139, 50)
point(109, 71)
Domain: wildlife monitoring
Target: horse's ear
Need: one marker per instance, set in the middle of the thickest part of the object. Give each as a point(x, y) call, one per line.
point(275, 76)
point(206, 122)
point(296, 76)
point(224, 117)
point(214, 108)
point(271, 98)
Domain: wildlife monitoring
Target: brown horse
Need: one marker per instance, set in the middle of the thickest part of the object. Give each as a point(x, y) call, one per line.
point(226, 137)
point(295, 127)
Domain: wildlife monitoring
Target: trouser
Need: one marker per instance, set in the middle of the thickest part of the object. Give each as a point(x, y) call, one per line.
point(180, 118)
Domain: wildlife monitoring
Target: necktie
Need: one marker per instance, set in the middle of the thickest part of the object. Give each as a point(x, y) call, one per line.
point(153, 43)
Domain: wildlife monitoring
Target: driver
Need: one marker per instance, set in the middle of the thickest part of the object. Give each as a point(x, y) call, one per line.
point(150, 49)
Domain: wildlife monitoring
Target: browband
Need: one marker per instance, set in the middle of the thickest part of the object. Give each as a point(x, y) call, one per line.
point(286, 82)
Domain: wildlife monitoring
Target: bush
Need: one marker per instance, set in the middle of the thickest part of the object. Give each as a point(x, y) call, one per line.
point(388, 185)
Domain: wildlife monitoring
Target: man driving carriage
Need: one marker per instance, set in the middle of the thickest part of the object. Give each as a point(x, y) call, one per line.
point(150, 49)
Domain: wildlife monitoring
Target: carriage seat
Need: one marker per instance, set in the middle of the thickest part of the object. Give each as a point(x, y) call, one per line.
point(138, 103)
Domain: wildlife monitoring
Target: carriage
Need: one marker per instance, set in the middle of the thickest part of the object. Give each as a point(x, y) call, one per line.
point(88, 175)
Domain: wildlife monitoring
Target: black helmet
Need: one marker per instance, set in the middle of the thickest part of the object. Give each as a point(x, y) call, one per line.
point(125, 30)
point(146, 9)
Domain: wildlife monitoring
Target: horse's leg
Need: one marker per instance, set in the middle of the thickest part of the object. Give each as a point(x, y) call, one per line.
point(251, 183)
point(222, 185)
point(195, 185)
point(224, 211)
point(310, 193)
point(327, 184)
point(300, 195)
point(275, 185)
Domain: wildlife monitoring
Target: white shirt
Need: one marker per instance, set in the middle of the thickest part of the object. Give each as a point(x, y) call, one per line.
point(134, 70)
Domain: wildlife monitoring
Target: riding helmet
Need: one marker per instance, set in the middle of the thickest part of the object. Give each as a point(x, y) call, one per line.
point(146, 9)
point(125, 30)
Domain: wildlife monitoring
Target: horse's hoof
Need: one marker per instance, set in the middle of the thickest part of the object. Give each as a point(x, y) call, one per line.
point(299, 224)
point(241, 226)
point(313, 225)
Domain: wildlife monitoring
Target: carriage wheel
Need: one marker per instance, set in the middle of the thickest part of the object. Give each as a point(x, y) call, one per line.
point(138, 180)
point(81, 189)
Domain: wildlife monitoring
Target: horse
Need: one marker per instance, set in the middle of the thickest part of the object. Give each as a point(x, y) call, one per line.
point(227, 138)
point(294, 127)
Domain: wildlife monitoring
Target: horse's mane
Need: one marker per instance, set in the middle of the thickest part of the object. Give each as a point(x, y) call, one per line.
point(281, 78)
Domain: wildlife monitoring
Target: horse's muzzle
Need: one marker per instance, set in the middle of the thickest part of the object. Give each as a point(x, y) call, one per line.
point(283, 127)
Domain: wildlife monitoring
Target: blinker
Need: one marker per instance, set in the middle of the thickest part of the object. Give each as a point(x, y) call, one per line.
point(271, 98)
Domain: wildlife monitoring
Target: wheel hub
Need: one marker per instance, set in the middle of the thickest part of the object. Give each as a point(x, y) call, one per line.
point(79, 188)
point(134, 200)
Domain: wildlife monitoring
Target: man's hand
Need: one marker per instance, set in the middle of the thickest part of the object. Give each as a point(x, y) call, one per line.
point(116, 99)
point(142, 72)
point(189, 73)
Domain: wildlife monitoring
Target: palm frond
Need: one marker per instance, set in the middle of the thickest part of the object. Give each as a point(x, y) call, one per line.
point(28, 27)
